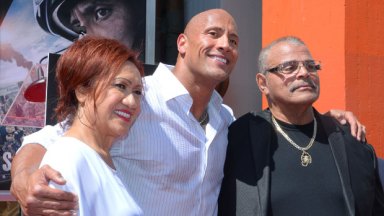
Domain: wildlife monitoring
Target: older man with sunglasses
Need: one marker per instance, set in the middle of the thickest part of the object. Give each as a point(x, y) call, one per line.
point(291, 160)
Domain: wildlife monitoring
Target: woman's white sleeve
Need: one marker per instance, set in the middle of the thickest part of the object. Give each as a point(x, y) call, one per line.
point(45, 137)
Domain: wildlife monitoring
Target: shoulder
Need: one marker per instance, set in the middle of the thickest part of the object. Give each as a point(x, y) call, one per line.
point(68, 155)
point(162, 73)
point(332, 126)
point(67, 145)
point(254, 117)
point(355, 149)
point(251, 126)
point(45, 137)
point(157, 86)
point(226, 112)
point(244, 119)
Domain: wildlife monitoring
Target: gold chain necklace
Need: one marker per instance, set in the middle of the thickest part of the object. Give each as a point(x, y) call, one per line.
point(306, 158)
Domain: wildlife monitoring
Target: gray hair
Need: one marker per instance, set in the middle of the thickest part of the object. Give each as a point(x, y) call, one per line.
point(265, 51)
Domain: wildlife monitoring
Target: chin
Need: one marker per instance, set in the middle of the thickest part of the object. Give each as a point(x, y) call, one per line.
point(122, 130)
point(308, 102)
point(222, 76)
point(300, 99)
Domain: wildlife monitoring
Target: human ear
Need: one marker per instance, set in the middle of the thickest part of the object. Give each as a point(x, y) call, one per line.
point(181, 43)
point(80, 95)
point(262, 83)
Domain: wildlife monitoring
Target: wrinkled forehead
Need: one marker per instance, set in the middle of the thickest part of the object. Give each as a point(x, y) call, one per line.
point(284, 52)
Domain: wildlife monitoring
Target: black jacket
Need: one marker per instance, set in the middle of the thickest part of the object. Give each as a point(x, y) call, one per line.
point(245, 187)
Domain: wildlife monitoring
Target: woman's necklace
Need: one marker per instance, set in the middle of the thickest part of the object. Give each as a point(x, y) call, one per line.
point(306, 158)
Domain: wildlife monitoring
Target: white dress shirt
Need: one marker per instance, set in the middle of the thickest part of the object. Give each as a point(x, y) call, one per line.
point(170, 165)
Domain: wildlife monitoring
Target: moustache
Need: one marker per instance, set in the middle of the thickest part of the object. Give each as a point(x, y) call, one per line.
point(308, 83)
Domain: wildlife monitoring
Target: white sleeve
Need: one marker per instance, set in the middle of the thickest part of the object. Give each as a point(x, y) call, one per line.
point(66, 157)
point(61, 159)
point(45, 137)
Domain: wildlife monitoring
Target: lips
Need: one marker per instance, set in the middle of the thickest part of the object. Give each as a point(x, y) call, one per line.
point(124, 114)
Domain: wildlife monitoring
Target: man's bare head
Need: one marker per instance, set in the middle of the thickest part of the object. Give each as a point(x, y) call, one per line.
point(202, 18)
point(208, 48)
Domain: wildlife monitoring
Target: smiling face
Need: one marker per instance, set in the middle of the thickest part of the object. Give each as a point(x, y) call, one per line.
point(209, 45)
point(107, 18)
point(118, 105)
point(283, 90)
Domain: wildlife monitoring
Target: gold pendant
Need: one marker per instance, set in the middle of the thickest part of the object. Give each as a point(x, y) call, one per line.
point(306, 159)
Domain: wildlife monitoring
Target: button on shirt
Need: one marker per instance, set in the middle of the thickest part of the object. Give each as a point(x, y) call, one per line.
point(170, 165)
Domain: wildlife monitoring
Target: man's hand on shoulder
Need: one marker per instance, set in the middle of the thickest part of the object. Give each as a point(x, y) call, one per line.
point(31, 189)
point(358, 130)
point(37, 198)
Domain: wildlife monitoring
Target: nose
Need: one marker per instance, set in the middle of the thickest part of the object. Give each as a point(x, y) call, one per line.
point(302, 70)
point(132, 101)
point(81, 30)
point(223, 42)
point(78, 24)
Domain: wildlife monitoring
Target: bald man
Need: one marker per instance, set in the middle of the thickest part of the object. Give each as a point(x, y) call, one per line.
point(172, 161)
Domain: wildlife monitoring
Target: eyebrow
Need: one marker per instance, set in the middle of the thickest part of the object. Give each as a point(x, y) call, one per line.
point(129, 81)
point(216, 28)
point(234, 35)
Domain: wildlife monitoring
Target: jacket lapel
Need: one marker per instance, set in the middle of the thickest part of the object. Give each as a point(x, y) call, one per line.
point(339, 154)
point(261, 129)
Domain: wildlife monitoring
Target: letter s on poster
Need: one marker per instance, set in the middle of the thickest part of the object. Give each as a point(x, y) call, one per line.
point(7, 156)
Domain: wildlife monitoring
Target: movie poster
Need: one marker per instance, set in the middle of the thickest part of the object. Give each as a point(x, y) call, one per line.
point(24, 46)
point(30, 31)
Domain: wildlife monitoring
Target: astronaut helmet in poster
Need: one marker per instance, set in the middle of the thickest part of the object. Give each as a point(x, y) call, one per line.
point(123, 20)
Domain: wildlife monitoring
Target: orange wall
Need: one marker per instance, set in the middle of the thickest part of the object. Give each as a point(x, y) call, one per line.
point(321, 26)
point(364, 60)
point(344, 36)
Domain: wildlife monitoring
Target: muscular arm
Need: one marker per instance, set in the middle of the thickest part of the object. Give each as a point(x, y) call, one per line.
point(30, 184)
